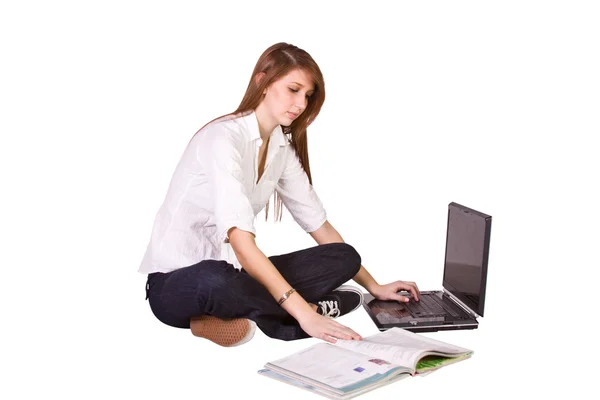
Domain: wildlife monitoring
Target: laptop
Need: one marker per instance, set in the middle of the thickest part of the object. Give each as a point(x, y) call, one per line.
point(462, 299)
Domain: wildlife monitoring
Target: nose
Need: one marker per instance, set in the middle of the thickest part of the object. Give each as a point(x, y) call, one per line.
point(301, 103)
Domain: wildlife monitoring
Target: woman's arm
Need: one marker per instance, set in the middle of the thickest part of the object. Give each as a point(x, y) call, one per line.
point(328, 234)
point(262, 269)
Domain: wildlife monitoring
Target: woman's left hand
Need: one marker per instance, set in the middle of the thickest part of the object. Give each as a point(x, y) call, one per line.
point(390, 291)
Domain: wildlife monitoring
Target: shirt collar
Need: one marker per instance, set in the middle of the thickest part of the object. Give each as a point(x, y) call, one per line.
point(277, 136)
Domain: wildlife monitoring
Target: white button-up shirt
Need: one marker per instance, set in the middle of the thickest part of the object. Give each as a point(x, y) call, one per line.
point(214, 188)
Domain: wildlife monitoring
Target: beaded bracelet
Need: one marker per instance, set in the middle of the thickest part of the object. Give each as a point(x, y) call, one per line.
point(285, 296)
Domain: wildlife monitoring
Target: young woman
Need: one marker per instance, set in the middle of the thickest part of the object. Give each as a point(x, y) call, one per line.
point(205, 271)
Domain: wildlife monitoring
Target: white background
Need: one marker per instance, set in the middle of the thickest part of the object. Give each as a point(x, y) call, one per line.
point(491, 105)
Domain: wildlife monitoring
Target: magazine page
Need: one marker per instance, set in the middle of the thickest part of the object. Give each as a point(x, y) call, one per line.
point(401, 347)
point(335, 367)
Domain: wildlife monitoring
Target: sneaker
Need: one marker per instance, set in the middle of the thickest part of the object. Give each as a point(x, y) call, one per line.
point(224, 332)
point(341, 301)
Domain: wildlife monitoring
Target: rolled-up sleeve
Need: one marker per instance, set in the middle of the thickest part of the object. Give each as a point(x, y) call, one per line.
point(299, 196)
point(221, 154)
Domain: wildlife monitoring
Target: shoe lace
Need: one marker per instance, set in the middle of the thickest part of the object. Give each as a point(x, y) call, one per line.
point(330, 308)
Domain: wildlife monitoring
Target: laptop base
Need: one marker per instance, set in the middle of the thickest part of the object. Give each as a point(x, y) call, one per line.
point(392, 314)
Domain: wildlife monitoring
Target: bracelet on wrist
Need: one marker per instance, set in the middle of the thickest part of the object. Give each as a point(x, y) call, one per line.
point(285, 296)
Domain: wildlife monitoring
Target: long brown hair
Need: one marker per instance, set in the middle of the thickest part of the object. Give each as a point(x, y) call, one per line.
point(276, 62)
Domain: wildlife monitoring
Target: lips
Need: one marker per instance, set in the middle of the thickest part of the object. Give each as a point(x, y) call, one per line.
point(292, 115)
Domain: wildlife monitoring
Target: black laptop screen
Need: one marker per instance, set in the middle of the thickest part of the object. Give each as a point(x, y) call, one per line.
point(467, 249)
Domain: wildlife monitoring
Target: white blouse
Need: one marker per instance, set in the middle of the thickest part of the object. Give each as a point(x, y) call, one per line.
point(214, 188)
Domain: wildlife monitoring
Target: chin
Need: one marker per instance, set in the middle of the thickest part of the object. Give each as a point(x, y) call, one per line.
point(285, 121)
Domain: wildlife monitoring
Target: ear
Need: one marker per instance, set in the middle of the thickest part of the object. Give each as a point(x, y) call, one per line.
point(258, 77)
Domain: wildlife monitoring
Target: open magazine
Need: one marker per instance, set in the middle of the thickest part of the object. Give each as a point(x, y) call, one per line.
point(349, 368)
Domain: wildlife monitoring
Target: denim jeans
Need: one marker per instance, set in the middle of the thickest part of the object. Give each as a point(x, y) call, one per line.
point(216, 288)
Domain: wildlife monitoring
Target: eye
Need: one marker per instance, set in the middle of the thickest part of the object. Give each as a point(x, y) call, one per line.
point(308, 96)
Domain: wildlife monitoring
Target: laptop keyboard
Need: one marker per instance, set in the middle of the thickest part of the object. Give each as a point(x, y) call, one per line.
point(428, 306)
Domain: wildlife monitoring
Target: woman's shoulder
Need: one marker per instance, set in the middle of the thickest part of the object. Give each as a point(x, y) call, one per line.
point(230, 128)
point(228, 131)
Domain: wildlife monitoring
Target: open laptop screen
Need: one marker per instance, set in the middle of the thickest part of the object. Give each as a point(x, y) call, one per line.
point(467, 249)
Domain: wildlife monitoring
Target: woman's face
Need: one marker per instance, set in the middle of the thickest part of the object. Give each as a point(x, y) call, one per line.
point(287, 98)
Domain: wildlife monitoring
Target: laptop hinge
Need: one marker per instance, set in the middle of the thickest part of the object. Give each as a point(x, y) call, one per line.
point(462, 305)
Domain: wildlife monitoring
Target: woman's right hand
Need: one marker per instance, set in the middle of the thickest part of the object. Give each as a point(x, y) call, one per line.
point(327, 329)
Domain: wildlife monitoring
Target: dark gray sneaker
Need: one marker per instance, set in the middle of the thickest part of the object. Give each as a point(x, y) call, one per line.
point(341, 301)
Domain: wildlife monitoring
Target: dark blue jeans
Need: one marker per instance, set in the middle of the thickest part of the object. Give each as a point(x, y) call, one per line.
point(216, 288)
